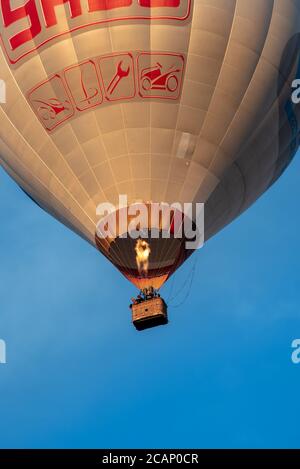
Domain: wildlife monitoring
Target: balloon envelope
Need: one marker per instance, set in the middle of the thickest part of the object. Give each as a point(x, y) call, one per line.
point(161, 100)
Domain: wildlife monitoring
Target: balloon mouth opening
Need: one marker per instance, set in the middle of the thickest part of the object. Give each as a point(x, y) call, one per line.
point(145, 262)
point(146, 256)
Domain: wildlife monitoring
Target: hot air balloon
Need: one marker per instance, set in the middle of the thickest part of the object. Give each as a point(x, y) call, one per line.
point(186, 101)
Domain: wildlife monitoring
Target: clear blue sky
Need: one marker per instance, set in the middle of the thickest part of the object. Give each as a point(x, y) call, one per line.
point(220, 375)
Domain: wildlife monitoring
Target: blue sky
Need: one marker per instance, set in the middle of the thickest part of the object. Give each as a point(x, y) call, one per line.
point(220, 375)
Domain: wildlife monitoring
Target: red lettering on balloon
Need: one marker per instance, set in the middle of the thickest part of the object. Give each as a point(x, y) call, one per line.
point(11, 16)
point(34, 24)
point(160, 3)
point(49, 10)
point(98, 5)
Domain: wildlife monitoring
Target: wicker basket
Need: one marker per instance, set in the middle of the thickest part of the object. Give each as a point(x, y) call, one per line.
point(149, 313)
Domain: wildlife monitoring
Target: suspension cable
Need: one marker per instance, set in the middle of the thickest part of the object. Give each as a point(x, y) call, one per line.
point(187, 283)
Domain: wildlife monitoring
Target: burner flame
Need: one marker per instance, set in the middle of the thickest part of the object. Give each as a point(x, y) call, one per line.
point(143, 251)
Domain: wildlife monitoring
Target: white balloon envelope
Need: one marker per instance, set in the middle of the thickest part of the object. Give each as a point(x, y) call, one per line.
point(161, 100)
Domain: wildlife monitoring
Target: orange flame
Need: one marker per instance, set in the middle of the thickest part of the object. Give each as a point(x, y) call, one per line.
point(143, 251)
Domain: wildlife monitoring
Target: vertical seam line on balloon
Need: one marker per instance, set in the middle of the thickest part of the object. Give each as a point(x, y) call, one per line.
point(67, 17)
point(249, 85)
point(222, 65)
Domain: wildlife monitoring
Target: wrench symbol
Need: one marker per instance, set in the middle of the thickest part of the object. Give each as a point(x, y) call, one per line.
point(120, 74)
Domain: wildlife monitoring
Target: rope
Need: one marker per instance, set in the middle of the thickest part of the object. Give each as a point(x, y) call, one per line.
point(188, 282)
point(168, 299)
